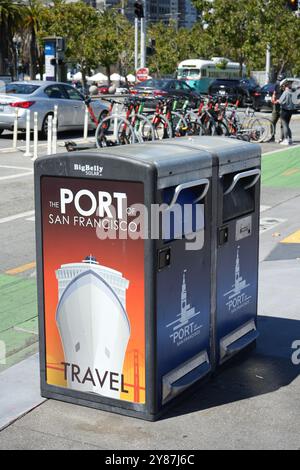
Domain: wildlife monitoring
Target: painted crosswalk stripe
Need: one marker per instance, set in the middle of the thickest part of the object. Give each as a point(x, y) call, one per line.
point(22, 215)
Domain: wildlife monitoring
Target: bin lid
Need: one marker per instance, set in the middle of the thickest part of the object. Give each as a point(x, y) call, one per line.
point(164, 156)
point(228, 151)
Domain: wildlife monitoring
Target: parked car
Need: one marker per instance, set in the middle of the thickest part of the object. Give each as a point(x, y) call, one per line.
point(268, 90)
point(246, 91)
point(165, 87)
point(266, 96)
point(103, 89)
point(42, 96)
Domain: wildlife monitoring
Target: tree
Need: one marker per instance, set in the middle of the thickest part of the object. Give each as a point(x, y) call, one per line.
point(79, 23)
point(33, 15)
point(242, 30)
point(11, 14)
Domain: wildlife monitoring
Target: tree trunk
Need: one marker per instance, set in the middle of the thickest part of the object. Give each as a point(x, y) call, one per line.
point(33, 55)
point(107, 68)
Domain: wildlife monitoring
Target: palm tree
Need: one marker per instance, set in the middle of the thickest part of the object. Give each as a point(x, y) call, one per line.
point(32, 18)
point(11, 14)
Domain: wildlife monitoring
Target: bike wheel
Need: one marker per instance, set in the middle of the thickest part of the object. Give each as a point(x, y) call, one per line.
point(194, 124)
point(162, 128)
point(258, 130)
point(220, 129)
point(179, 125)
point(144, 129)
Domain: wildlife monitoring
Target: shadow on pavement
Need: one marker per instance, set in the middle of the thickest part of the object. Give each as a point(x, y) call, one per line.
point(266, 369)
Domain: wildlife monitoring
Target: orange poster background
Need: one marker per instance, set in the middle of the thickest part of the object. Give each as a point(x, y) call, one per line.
point(64, 244)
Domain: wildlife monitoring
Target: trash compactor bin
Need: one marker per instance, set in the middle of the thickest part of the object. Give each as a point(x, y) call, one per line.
point(124, 275)
point(236, 209)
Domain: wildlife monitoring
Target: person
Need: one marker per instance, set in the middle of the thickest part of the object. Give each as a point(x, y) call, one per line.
point(276, 107)
point(286, 111)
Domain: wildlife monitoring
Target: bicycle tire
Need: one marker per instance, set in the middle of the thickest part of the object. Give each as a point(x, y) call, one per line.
point(103, 133)
point(163, 129)
point(145, 132)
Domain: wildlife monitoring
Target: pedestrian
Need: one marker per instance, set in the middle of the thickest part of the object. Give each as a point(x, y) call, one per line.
point(276, 107)
point(287, 108)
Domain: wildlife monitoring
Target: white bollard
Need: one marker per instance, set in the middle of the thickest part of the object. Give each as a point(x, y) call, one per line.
point(27, 151)
point(49, 135)
point(116, 111)
point(15, 134)
point(54, 131)
point(86, 124)
point(35, 136)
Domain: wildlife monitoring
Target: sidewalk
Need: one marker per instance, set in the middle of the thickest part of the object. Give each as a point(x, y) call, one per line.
point(251, 404)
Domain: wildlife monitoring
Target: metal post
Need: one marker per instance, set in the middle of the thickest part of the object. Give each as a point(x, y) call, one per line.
point(27, 151)
point(116, 121)
point(15, 134)
point(49, 135)
point(268, 63)
point(136, 42)
point(35, 136)
point(143, 43)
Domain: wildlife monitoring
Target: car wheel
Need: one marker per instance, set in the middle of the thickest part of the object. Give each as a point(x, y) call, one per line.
point(44, 129)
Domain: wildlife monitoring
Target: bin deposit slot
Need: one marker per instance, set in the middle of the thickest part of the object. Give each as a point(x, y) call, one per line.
point(239, 194)
point(184, 214)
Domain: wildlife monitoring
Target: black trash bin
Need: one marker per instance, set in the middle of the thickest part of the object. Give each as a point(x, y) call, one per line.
point(235, 242)
point(124, 301)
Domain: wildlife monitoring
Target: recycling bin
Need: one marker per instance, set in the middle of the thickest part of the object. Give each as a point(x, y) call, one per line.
point(235, 242)
point(124, 270)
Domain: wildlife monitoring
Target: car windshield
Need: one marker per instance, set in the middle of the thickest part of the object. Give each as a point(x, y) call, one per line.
point(19, 88)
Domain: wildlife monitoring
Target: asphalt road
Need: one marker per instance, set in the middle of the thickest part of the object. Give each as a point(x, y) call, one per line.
point(255, 405)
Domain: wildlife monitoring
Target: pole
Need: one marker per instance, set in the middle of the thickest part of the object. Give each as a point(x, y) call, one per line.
point(86, 124)
point(27, 151)
point(49, 135)
point(54, 131)
point(15, 134)
point(143, 36)
point(136, 42)
point(35, 136)
point(268, 64)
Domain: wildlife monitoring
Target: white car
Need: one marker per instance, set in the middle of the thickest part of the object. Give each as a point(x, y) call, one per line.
point(42, 96)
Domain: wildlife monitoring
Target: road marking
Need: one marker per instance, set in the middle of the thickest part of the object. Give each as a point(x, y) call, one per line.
point(291, 147)
point(293, 238)
point(16, 216)
point(16, 328)
point(291, 171)
point(21, 269)
point(20, 175)
point(264, 208)
point(31, 219)
point(11, 167)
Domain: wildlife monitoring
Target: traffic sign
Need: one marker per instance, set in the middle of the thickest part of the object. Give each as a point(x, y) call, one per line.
point(142, 74)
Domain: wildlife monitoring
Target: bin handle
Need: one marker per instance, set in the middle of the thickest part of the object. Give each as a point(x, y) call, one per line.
point(256, 173)
point(190, 184)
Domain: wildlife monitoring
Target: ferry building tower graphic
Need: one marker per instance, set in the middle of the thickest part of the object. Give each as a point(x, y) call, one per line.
point(92, 321)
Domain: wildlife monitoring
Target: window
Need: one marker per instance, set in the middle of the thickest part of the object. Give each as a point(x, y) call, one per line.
point(20, 89)
point(55, 92)
point(73, 94)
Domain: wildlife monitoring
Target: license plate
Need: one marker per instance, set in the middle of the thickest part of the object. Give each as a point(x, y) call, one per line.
point(1, 107)
point(268, 98)
point(222, 92)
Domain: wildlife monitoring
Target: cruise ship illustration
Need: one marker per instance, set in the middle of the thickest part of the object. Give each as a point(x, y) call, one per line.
point(92, 321)
point(186, 312)
point(239, 283)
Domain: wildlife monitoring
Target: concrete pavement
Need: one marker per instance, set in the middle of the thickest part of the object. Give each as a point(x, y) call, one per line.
point(253, 404)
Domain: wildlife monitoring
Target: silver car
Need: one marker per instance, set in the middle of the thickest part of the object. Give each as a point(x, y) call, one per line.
point(42, 96)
